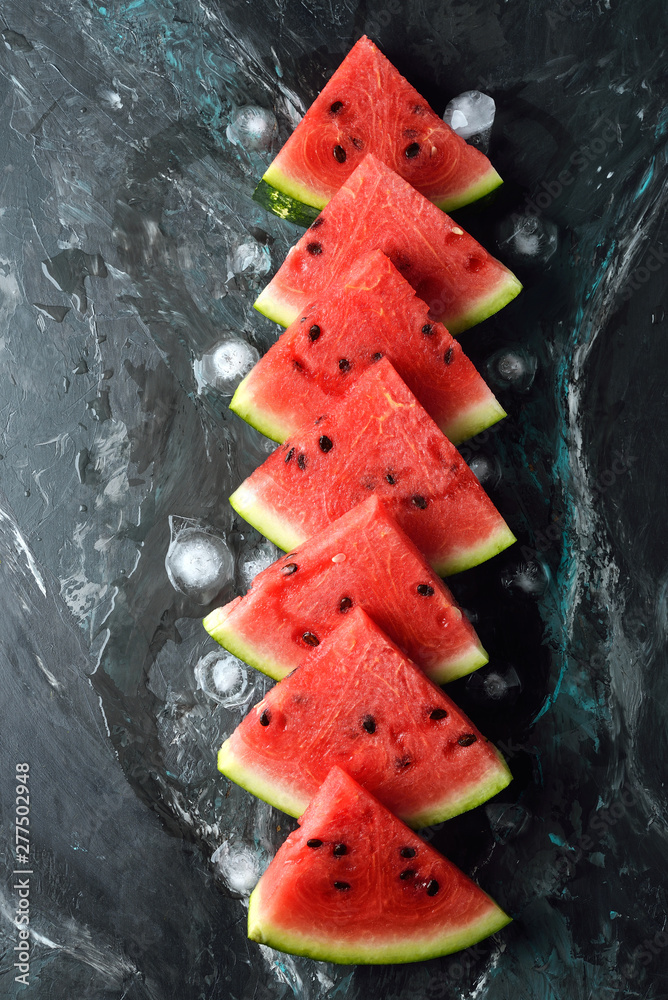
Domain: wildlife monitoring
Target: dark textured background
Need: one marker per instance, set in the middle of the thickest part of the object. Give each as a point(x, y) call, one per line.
point(122, 207)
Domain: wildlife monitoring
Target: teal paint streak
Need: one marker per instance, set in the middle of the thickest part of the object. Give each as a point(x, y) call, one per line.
point(646, 181)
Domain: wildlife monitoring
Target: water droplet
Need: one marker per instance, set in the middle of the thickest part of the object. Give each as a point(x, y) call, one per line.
point(198, 563)
point(252, 128)
point(500, 684)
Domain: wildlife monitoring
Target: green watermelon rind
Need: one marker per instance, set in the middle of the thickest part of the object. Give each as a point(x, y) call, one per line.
point(297, 203)
point(325, 949)
point(283, 205)
point(263, 788)
point(466, 425)
point(505, 291)
point(466, 663)
point(248, 505)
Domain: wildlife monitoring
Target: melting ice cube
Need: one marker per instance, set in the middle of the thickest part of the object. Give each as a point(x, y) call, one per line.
point(253, 128)
point(224, 366)
point(512, 368)
point(471, 115)
point(223, 678)
point(527, 239)
point(198, 563)
point(238, 865)
point(249, 258)
point(256, 559)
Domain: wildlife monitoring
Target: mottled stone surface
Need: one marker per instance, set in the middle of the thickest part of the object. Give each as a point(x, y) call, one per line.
point(130, 251)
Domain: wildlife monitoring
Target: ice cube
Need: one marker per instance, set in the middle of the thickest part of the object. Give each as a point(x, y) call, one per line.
point(256, 559)
point(526, 576)
point(238, 866)
point(224, 366)
point(249, 258)
point(507, 820)
point(198, 563)
point(223, 678)
point(512, 368)
point(253, 128)
point(487, 470)
point(471, 115)
point(527, 239)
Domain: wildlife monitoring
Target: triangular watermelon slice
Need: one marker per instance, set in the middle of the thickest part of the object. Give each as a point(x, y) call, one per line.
point(373, 313)
point(376, 439)
point(376, 210)
point(359, 703)
point(368, 107)
point(355, 885)
point(364, 560)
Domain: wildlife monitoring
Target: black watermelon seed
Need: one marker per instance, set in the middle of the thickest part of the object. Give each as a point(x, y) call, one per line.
point(377, 356)
point(424, 590)
point(289, 569)
point(407, 873)
point(340, 154)
point(314, 332)
point(390, 478)
point(326, 444)
point(289, 454)
point(311, 639)
point(339, 850)
point(345, 604)
point(317, 222)
point(357, 143)
point(314, 842)
point(438, 713)
point(419, 501)
point(314, 248)
point(427, 329)
point(344, 365)
point(412, 151)
point(335, 107)
point(265, 718)
point(369, 724)
point(298, 365)
point(343, 886)
point(404, 761)
point(418, 109)
point(467, 739)
point(408, 852)
point(302, 319)
point(433, 887)
point(301, 461)
point(447, 357)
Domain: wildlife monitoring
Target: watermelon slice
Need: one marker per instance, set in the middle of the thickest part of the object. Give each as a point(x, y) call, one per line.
point(358, 702)
point(368, 107)
point(374, 312)
point(355, 885)
point(362, 560)
point(376, 210)
point(376, 438)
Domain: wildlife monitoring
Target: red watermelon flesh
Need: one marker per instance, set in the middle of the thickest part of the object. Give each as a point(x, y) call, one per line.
point(368, 107)
point(377, 438)
point(374, 312)
point(375, 209)
point(359, 703)
point(364, 560)
point(367, 890)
